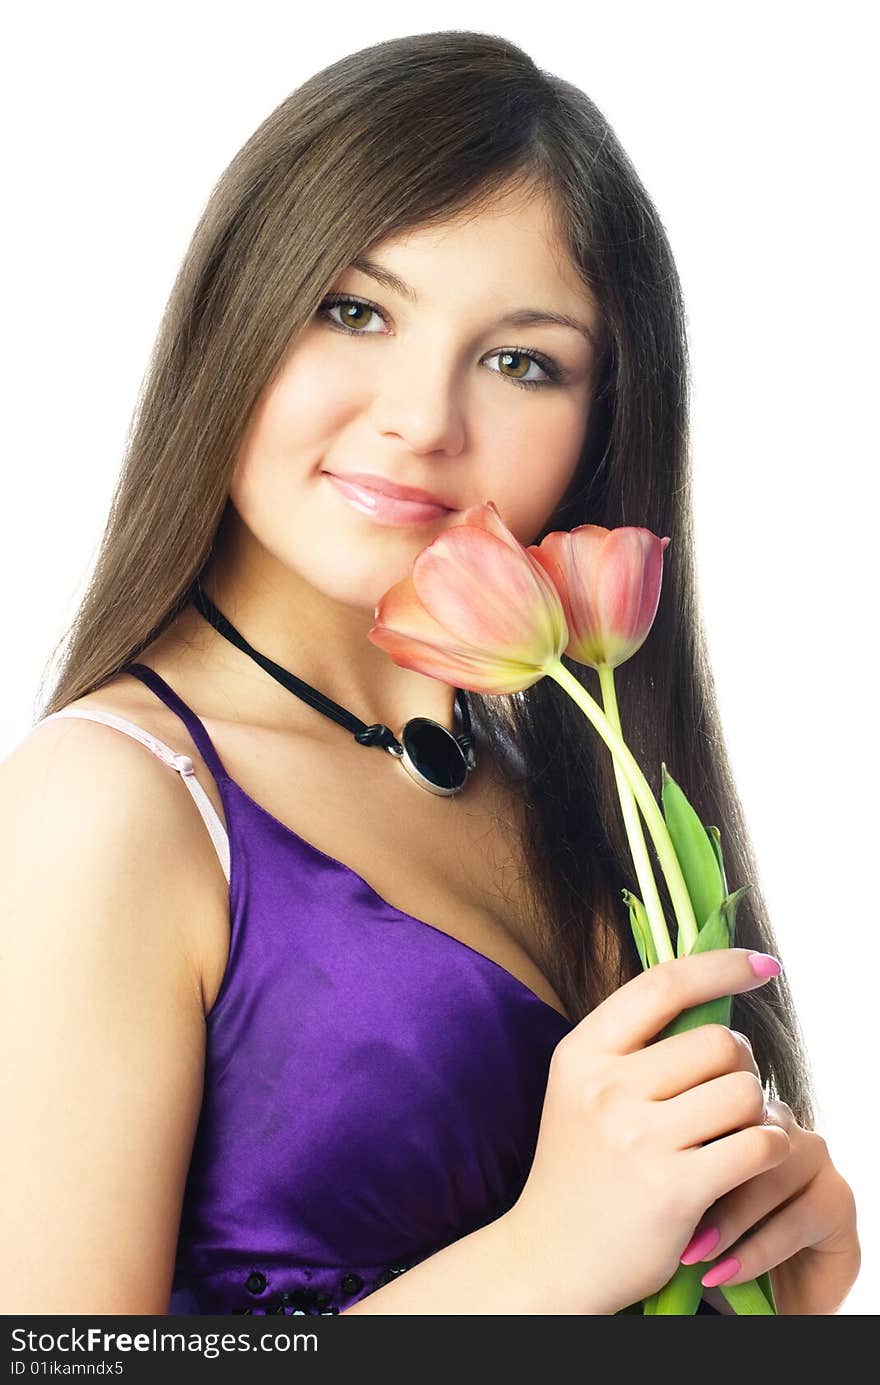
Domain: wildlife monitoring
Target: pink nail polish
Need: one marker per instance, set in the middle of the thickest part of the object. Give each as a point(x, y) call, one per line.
point(720, 1273)
point(699, 1245)
point(762, 964)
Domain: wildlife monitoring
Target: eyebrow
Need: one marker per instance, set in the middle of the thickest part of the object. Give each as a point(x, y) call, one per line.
point(521, 317)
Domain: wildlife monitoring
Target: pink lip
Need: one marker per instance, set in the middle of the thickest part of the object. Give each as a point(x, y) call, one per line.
point(385, 509)
point(381, 484)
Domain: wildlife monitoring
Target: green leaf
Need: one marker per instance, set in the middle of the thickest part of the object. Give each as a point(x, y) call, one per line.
point(749, 1299)
point(715, 839)
point(641, 929)
point(681, 1296)
point(694, 849)
point(715, 933)
point(763, 1282)
point(709, 1012)
point(731, 904)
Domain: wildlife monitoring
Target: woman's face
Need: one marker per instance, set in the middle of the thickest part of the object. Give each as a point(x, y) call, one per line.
point(422, 383)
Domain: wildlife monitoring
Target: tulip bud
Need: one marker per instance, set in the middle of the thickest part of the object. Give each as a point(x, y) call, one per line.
point(477, 612)
point(609, 584)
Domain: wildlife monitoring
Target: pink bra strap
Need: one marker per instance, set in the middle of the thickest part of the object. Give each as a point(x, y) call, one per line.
point(182, 763)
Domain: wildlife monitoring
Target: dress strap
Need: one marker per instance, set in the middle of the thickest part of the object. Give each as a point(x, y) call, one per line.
point(194, 726)
point(182, 763)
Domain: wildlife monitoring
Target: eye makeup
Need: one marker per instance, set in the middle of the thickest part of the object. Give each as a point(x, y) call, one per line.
point(555, 374)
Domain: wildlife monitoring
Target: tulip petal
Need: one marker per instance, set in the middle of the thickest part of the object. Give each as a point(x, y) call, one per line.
point(629, 588)
point(486, 595)
point(412, 637)
point(486, 517)
point(574, 569)
point(478, 611)
point(461, 668)
point(609, 583)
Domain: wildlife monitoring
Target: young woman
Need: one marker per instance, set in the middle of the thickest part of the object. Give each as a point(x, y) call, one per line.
point(319, 1035)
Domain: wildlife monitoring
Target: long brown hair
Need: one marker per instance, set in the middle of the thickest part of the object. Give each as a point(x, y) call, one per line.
point(400, 135)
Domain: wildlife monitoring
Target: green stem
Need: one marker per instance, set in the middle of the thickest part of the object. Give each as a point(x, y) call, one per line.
point(632, 822)
point(675, 882)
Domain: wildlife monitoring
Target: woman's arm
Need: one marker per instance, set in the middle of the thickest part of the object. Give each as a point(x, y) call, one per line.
point(101, 1022)
point(485, 1272)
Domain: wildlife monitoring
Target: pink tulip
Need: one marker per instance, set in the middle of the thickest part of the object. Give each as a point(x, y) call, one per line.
point(609, 584)
point(477, 612)
point(483, 612)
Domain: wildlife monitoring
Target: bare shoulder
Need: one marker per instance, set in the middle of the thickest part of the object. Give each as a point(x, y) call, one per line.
point(101, 1021)
point(72, 778)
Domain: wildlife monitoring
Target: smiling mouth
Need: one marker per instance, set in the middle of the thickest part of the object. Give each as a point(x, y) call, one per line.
point(386, 509)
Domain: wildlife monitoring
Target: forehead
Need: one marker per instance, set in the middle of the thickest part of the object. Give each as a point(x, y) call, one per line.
point(511, 240)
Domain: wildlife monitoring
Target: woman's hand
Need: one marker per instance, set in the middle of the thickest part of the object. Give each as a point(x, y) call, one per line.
point(797, 1220)
point(622, 1169)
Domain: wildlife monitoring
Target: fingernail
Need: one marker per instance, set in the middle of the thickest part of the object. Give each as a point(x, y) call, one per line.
point(720, 1273)
point(763, 964)
point(700, 1244)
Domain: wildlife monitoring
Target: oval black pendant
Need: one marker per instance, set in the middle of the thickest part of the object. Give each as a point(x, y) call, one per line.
point(432, 756)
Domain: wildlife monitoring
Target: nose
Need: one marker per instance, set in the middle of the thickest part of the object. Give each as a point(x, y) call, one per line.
point(422, 407)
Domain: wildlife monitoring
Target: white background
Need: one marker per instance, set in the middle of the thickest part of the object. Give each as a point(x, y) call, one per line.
point(752, 129)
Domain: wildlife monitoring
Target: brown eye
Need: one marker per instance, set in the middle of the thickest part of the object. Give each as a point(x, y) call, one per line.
point(353, 313)
point(522, 361)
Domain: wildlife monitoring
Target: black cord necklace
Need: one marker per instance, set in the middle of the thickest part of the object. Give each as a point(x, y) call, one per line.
point(435, 758)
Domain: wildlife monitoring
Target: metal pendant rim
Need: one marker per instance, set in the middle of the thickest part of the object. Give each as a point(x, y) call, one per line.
point(431, 785)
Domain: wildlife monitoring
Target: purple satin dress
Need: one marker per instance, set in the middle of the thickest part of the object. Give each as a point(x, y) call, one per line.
point(373, 1086)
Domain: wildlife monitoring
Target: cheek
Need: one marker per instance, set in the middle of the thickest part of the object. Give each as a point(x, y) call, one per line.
point(536, 469)
point(287, 435)
point(306, 402)
point(311, 396)
point(293, 518)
